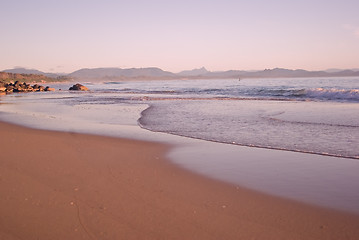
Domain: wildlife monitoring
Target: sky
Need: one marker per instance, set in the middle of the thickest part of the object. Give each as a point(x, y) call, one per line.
point(66, 35)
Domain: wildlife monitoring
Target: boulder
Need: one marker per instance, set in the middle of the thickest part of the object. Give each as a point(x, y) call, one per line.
point(17, 89)
point(9, 89)
point(78, 87)
point(40, 89)
point(48, 89)
point(17, 84)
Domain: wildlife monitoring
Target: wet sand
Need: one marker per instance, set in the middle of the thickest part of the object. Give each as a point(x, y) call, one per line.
point(56, 185)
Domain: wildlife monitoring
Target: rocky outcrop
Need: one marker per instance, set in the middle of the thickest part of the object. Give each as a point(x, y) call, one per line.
point(22, 87)
point(78, 87)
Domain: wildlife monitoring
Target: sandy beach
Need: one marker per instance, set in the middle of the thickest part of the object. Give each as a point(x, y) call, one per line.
point(56, 185)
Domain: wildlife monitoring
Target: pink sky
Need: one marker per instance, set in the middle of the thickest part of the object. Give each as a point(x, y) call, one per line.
point(63, 36)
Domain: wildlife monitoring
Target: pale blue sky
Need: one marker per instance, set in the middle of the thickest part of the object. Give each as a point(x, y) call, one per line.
point(65, 35)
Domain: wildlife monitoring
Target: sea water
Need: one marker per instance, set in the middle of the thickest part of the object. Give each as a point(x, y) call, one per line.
point(314, 122)
point(312, 115)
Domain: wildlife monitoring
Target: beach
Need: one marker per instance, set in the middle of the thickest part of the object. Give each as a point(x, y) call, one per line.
point(57, 185)
point(182, 120)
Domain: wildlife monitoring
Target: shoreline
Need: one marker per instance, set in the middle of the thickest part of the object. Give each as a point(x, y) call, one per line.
point(58, 185)
point(308, 178)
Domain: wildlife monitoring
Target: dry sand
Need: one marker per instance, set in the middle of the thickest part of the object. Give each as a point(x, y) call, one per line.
point(72, 186)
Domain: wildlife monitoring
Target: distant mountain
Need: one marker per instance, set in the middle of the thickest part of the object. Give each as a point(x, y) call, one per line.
point(334, 70)
point(119, 73)
point(346, 73)
point(156, 73)
point(226, 74)
point(31, 71)
point(195, 72)
point(280, 73)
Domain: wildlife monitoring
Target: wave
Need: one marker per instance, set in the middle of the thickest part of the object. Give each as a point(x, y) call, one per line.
point(331, 94)
point(283, 92)
point(334, 94)
point(113, 82)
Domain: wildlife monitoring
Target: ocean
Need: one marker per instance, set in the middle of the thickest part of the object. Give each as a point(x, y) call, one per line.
point(312, 115)
point(305, 129)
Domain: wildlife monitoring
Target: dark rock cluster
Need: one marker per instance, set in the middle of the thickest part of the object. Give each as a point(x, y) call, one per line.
point(22, 87)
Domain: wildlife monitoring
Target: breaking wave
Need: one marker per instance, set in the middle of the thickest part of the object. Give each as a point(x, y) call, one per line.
point(334, 94)
point(331, 94)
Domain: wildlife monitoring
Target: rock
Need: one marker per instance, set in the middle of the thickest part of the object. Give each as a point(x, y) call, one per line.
point(78, 87)
point(17, 89)
point(9, 89)
point(17, 84)
point(29, 89)
point(22, 87)
point(38, 88)
point(48, 89)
